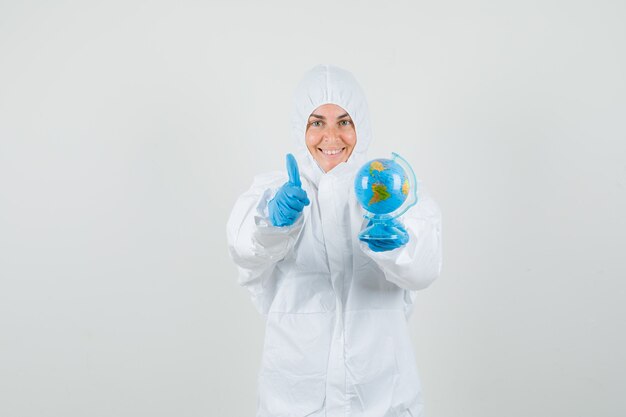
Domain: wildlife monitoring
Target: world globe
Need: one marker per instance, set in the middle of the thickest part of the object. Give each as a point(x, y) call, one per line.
point(386, 189)
point(381, 186)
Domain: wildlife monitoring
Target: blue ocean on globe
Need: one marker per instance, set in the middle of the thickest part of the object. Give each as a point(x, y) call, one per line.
point(381, 186)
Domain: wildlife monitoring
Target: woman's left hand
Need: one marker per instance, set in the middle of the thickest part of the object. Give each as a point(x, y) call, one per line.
point(394, 227)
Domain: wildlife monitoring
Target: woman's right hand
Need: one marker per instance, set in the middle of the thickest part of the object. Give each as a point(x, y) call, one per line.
point(290, 199)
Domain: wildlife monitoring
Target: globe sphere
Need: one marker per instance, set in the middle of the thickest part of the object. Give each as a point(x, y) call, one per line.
point(381, 186)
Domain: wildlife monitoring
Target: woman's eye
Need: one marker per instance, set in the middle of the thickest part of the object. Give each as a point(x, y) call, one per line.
point(345, 122)
point(316, 123)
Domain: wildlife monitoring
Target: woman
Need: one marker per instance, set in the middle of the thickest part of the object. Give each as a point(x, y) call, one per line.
point(336, 309)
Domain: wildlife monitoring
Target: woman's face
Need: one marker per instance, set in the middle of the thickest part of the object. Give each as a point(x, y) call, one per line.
point(330, 136)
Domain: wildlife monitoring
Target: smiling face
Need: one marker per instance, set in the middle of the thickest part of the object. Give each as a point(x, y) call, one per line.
point(330, 136)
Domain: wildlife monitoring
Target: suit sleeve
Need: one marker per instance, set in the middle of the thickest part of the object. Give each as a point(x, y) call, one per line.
point(417, 264)
point(254, 244)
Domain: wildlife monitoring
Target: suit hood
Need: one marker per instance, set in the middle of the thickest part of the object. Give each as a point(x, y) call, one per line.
point(328, 84)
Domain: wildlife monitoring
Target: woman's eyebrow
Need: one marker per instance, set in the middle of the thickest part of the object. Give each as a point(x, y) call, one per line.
point(322, 117)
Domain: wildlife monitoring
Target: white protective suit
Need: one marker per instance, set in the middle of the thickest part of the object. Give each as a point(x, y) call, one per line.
point(336, 337)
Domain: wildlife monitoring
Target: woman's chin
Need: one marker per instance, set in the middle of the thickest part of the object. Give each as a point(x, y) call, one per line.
point(330, 165)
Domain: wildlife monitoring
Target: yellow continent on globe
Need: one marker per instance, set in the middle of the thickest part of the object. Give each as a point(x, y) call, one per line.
point(405, 187)
point(376, 166)
point(380, 193)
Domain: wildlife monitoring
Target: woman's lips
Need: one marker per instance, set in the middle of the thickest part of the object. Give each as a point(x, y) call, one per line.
point(331, 153)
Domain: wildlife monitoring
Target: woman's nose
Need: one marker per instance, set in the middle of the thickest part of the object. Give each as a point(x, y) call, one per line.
point(330, 134)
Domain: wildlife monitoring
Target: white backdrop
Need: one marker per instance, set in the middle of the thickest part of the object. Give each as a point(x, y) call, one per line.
point(128, 128)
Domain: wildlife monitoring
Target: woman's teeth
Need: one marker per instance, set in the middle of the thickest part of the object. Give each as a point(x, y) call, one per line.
point(331, 152)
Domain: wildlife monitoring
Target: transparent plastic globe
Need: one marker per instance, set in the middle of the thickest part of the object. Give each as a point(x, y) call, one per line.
point(386, 189)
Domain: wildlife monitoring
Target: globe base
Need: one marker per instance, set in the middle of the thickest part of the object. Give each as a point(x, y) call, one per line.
point(380, 231)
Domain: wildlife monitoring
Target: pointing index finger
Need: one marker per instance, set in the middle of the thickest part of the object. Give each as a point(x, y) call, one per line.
point(292, 171)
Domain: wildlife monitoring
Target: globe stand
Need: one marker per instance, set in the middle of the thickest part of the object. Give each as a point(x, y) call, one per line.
point(380, 230)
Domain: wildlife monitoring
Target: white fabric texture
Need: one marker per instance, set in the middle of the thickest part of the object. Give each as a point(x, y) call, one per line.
point(336, 337)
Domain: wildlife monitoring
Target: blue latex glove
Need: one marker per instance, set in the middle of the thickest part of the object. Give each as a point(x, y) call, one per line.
point(383, 245)
point(290, 199)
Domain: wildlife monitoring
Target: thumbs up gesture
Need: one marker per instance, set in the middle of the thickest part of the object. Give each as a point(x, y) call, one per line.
point(290, 199)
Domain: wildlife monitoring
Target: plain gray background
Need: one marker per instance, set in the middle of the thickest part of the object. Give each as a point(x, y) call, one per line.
point(128, 128)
